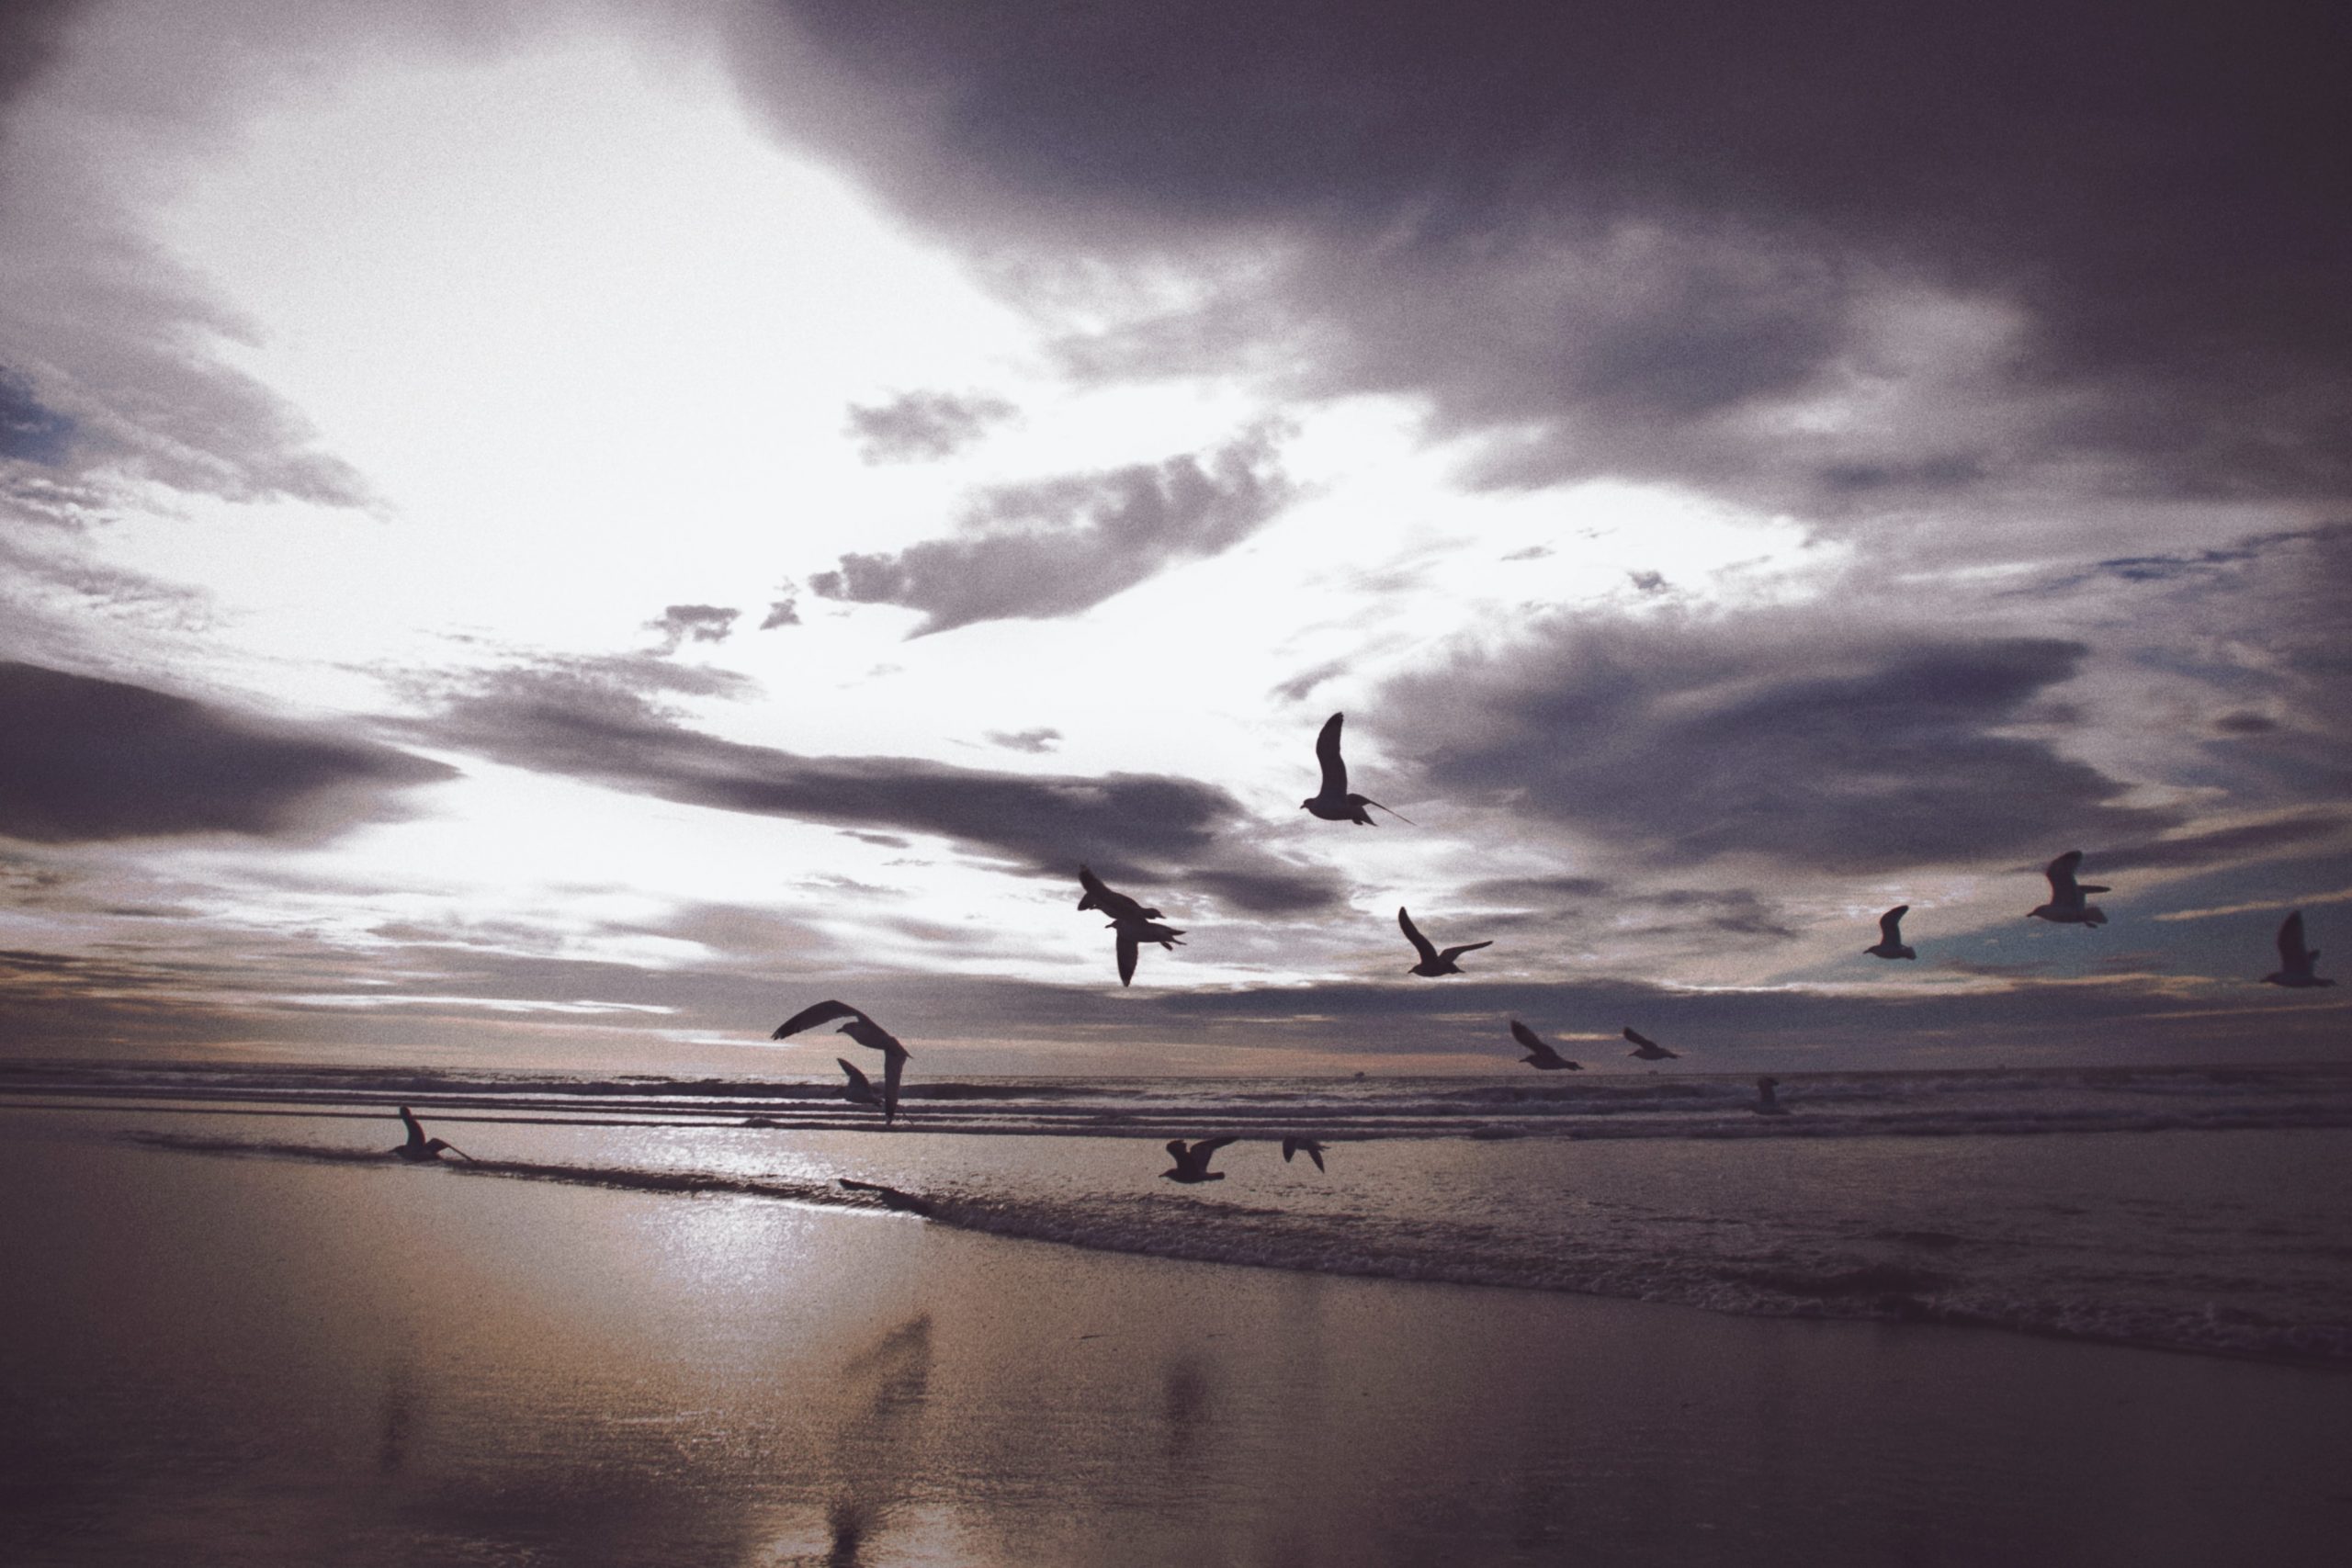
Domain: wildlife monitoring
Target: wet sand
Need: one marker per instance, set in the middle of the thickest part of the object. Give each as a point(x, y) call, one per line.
point(234, 1360)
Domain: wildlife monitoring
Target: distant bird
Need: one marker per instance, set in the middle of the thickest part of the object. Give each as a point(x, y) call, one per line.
point(1890, 935)
point(419, 1148)
point(1539, 1055)
point(2066, 906)
point(1132, 934)
point(1192, 1164)
point(859, 1090)
point(2296, 961)
point(1649, 1050)
point(1306, 1146)
point(867, 1033)
point(1767, 1102)
point(1100, 894)
point(1333, 803)
point(1433, 963)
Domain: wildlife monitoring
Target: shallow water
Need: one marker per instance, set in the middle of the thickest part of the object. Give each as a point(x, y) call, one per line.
point(265, 1361)
point(2178, 1209)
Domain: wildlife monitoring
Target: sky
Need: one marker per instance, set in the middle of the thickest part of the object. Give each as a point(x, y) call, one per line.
point(555, 533)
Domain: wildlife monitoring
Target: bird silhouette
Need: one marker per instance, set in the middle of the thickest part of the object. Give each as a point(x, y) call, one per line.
point(1433, 963)
point(1539, 1055)
point(1333, 803)
point(2067, 905)
point(867, 1033)
point(859, 1090)
point(1100, 894)
point(2296, 961)
point(1192, 1164)
point(1647, 1049)
point(1306, 1146)
point(1890, 935)
point(419, 1149)
point(1132, 935)
point(1768, 1104)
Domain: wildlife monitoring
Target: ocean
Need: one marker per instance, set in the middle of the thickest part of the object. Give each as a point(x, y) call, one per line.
point(2193, 1210)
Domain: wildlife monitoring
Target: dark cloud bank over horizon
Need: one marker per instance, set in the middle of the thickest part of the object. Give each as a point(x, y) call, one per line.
point(1617, 227)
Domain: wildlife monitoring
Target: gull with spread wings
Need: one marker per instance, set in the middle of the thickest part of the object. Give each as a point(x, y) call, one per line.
point(1539, 1055)
point(2296, 961)
point(1192, 1164)
point(1433, 963)
point(1890, 935)
point(867, 1033)
point(2068, 902)
point(1333, 803)
point(1649, 1050)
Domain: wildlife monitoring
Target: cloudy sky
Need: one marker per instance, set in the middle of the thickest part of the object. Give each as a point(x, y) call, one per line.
point(557, 532)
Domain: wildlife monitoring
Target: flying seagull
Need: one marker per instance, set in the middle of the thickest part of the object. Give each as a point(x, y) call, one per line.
point(2296, 961)
point(1100, 894)
point(1333, 803)
point(419, 1148)
point(1192, 1164)
point(1132, 934)
point(867, 1033)
point(1890, 935)
point(1433, 963)
point(2066, 906)
point(1306, 1146)
point(1647, 1049)
point(1767, 1102)
point(1540, 1056)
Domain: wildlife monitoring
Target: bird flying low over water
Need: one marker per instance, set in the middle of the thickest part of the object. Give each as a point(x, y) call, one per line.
point(1100, 894)
point(867, 1033)
point(1333, 803)
point(1306, 1146)
point(1767, 1102)
point(1890, 935)
point(419, 1148)
point(1539, 1055)
point(1132, 934)
point(2067, 905)
point(1647, 1049)
point(2296, 961)
point(1433, 963)
point(1192, 1164)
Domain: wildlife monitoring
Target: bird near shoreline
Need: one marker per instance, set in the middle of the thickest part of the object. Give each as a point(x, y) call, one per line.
point(867, 1033)
point(420, 1149)
point(1193, 1162)
point(1890, 935)
point(1307, 1146)
point(2069, 904)
point(1540, 1056)
point(2296, 961)
point(1133, 934)
point(1332, 801)
point(1433, 961)
point(1649, 1050)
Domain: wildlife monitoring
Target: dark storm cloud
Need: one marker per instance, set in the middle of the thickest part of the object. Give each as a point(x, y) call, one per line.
point(694, 623)
point(1754, 735)
point(1058, 546)
point(917, 425)
point(29, 431)
point(93, 760)
point(2153, 188)
point(566, 720)
point(2222, 846)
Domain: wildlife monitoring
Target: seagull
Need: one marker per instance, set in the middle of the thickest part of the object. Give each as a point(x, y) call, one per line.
point(1333, 803)
point(1306, 1146)
point(1647, 1049)
point(1132, 934)
point(1890, 935)
point(1540, 1056)
point(1101, 896)
point(1192, 1164)
point(419, 1148)
point(859, 1090)
point(2296, 961)
point(867, 1033)
point(2066, 906)
point(1433, 963)
point(1767, 1102)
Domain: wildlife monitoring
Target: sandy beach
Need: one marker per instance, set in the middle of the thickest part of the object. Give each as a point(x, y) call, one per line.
point(272, 1361)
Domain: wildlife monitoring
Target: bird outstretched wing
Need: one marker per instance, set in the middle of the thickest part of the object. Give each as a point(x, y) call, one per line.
point(810, 1016)
point(1327, 751)
point(1412, 935)
point(1890, 925)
